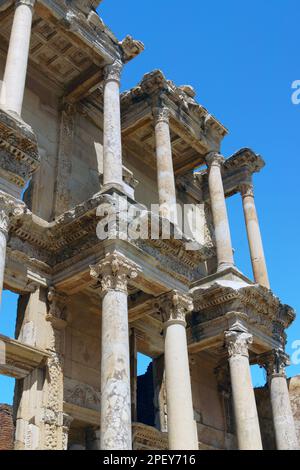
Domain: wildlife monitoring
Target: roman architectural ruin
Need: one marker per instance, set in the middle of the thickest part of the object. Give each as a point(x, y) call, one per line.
point(71, 142)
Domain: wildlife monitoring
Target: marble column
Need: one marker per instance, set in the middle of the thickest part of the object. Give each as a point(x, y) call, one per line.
point(13, 86)
point(254, 236)
point(112, 146)
point(219, 211)
point(164, 163)
point(245, 411)
point(182, 433)
point(113, 274)
point(8, 207)
point(284, 425)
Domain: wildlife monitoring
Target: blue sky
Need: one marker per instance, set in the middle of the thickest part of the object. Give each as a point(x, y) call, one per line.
point(241, 57)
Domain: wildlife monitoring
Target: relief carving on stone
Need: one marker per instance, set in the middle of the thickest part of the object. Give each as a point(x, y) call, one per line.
point(237, 343)
point(114, 272)
point(173, 307)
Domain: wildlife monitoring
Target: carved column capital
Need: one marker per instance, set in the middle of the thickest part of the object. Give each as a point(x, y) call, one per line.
point(214, 159)
point(114, 272)
point(237, 343)
point(275, 363)
point(174, 307)
point(29, 3)
point(57, 312)
point(9, 207)
point(246, 189)
point(112, 72)
point(161, 114)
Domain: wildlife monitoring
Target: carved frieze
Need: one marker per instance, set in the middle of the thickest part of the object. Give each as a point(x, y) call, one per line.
point(19, 156)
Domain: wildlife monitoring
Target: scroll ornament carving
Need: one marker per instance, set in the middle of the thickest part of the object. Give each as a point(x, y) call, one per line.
point(9, 207)
point(214, 159)
point(174, 307)
point(246, 189)
point(113, 71)
point(52, 416)
point(161, 114)
point(114, 272)
point(276, 362)
point(237, 343)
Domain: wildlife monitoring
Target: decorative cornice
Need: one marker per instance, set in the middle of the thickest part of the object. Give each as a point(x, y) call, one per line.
point(214, 159)
point(112, 72)
point(161, 114)
point(245, 157)
point(173, 307)
point(114, 272)
point(9, 207)
point(131, 48)
point(237, 343)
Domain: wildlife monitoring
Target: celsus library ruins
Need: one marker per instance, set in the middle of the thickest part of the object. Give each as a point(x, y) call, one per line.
point(102, 275)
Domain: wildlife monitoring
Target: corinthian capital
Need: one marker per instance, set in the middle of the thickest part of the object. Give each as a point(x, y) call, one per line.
point(214, 159)
point(237, 343)
point(174, 307)
point(161, 114)
point(113, 72)
point(275, 363)
point(246, 189)
point(114, 272)
point(9, 207)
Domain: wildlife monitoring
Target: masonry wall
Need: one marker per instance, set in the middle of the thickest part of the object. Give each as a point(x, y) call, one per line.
point(6, 427)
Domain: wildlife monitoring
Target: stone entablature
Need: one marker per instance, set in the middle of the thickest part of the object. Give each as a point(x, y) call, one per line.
point(194, 131)
point(234, 300)
point(19, 156)
point(49, 246)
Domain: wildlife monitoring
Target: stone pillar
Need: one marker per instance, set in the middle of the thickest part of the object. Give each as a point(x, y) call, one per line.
point(181, 425)
point(219, 211)
point(254, 236)
point(67, 421)
point(284, 425)
point(114, 272)
point(164, 163)
point(8, 207)
point(112, 146)
point(13, 86)
point(245, 411)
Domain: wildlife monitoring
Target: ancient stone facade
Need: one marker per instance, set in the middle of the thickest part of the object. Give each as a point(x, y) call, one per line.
point(77, 156)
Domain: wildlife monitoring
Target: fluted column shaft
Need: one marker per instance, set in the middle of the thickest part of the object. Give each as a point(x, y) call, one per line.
point(182, 432)
point(113, 273)
point(164, 164)
point(254, 236)
point(245, 411)
point(12, 91)
point(283, 419)
point(112, 146)
point(219, 211)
